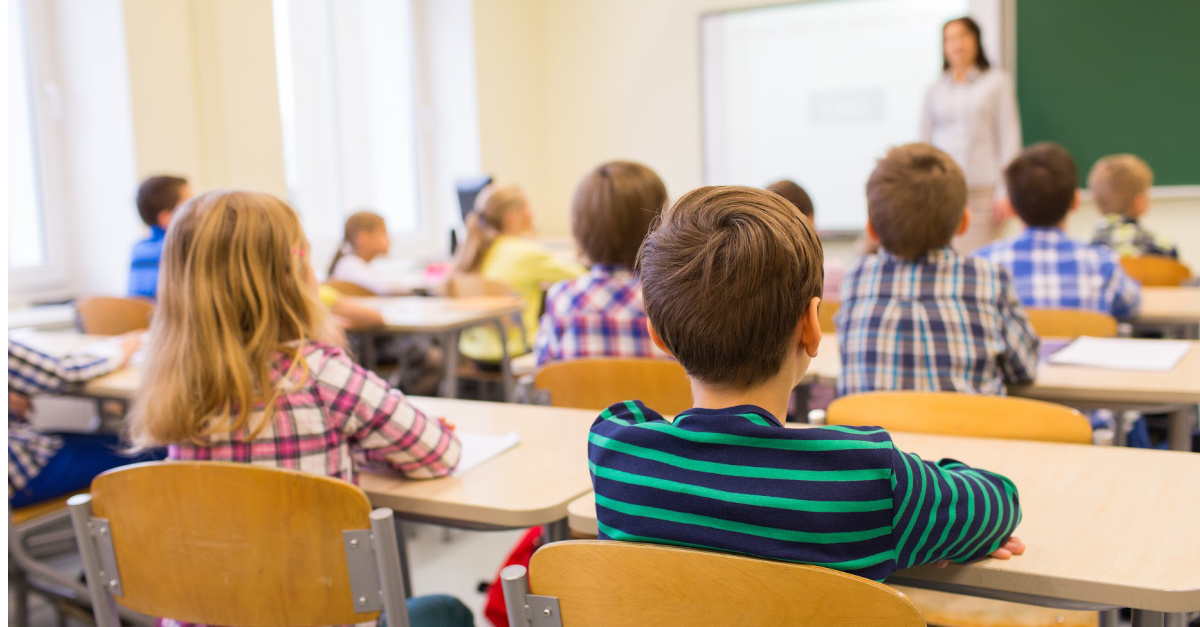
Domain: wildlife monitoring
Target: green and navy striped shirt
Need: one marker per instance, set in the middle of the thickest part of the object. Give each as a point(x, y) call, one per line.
point(841, 497)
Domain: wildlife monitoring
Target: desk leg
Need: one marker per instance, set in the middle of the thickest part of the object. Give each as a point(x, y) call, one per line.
point(369, 359)
point(506, 378)
point(450, 377)
point(1110, 618)
point(1179, 428)
point(1175, 620)
point(558, 531)
point(1146, 618)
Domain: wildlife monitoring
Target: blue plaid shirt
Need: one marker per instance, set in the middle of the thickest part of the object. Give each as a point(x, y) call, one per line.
point(599, 314)
point(143, 271)
point(939, 322)
point(1052, 271)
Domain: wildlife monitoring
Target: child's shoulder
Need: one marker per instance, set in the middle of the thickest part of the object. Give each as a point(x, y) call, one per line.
point(321, 360)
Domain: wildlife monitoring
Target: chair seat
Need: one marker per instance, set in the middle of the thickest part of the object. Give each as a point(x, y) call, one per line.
point(37, 510)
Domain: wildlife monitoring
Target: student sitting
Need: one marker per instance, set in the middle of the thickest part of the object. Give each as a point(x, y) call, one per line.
point(157, 199)
point(918, 315)
point(731, 280)
point(497, 249)
point(42, 466)
point(1049, 269)
point(835, 269)
point(244, 365)
point(1120, 186)
point(365, 238)
point(600, 314)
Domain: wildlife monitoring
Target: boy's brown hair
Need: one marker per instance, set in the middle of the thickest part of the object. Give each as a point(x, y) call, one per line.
point(1041, 184)
point(795, 195)
point(726, 276)
point(1116, 180)
point(614, 206)
point(157, 194)
point(915, 200)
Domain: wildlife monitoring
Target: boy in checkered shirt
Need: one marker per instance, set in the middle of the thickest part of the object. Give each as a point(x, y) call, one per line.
point(918, 315)
point(1049, 269)
point(1120, 186)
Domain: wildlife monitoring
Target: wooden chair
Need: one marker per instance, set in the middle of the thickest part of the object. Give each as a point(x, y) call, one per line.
point(973, 415)
point(1071, 323)
point(236, 544)
point(1155, 271)
point(825, 314)
point(598, 383)
point(594, 582)
point(348, 288)
point(103, 315)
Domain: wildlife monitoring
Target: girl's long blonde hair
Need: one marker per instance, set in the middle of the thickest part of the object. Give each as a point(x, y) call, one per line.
point(360, 222)
point(236, 294)
point(485, 223)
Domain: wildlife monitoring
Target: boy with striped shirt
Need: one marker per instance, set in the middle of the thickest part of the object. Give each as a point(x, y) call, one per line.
point(731, 279)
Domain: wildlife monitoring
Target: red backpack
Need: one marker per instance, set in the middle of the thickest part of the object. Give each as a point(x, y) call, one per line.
point(522, 552)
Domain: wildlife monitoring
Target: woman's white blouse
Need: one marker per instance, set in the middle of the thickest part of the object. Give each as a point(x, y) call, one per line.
point(975, 122)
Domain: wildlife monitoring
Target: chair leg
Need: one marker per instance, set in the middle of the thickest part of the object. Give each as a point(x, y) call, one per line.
point(391, 565)
point(20, 609)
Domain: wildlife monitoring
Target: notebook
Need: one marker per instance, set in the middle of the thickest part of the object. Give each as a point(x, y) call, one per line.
point(1122, 353)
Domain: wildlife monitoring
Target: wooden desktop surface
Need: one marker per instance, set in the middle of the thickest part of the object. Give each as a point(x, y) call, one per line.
point(420, 314)
point(530, 484)
point(1170, 305)
point(1102, 525)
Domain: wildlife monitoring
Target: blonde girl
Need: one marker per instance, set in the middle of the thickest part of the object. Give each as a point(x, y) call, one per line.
point(365, 237)
point(497, 249)
point(245, 366)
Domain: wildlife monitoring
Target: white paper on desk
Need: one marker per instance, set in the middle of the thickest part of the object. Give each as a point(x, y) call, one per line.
point(478, 448)
point(1122, 354)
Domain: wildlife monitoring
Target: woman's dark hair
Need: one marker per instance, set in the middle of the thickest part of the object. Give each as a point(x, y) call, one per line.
point(981, 60)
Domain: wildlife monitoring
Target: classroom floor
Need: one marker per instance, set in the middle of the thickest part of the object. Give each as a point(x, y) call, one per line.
point(452, 566)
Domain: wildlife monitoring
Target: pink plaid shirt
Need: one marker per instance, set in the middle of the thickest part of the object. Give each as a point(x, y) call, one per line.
point(599, 314)
point(331, 412)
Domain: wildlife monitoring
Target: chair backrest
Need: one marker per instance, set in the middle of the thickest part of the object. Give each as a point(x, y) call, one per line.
point(236, 544)
point(825, 314)
point(625, 583)
point(952, 413)
point(468, 285)
point(104, 315)
point(1154, 271)
point(349, 288)
point(1071, 323)
point(598, 383)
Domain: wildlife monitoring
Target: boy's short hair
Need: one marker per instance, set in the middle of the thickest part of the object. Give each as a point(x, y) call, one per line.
point(614, 206)
point(726, 275)
point(1116, 180)
point(915, 199)
point(794, 194)
point(1041, 184)
point(157, 194)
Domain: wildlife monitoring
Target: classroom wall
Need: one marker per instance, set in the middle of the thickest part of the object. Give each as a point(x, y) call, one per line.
point(621, 79)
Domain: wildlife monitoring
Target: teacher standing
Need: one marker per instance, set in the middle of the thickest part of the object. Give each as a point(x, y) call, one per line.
point(970, 112)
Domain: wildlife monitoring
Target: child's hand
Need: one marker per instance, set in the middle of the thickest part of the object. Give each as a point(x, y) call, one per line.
point(130, 343)
point(1012, 547)
point(19, 404)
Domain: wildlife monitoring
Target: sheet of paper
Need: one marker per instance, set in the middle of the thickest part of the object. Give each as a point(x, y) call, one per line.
point(478, 448)
point(1123, 354)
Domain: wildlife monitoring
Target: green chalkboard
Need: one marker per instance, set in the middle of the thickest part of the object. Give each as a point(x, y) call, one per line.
point(1106, 76)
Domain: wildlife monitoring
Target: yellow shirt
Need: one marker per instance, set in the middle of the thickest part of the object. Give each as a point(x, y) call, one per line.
point(526, 266)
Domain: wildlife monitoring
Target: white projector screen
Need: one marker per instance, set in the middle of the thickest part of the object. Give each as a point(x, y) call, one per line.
point(817, 91)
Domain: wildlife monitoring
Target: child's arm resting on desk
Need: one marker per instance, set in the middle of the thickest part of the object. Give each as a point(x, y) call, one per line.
point(949, 511)
point(382, 424)
point(31, 371)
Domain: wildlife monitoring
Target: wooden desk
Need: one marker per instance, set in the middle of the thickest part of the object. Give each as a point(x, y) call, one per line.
point(1171, 307)
point(526, 486)
point(445, 318)
point(1105, 526)
point(1174, 392)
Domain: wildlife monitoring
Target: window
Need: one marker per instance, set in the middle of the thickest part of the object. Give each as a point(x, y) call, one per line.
point(348, 105)
point(26, 234)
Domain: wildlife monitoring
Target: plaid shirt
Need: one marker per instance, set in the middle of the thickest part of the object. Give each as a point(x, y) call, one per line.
point(940, 322)
point(1127, 238)
point(1052, 271)
point(330, 409)
point(32, 372)
point(599, 314)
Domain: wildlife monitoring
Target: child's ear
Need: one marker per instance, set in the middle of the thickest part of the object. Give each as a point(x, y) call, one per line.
point(1141, 203)
point(654, 337)
point(809, 328)
point(965, 222)
point(871, 234)
point(164, 217)
point(1078, 198)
